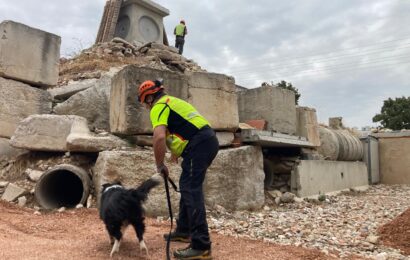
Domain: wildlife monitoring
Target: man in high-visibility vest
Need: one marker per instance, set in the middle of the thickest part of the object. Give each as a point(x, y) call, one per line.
point(180, 31)
point(179, 126)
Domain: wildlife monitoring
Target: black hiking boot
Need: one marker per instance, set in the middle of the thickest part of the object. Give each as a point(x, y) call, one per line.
point(191, 254)
point(178, 237)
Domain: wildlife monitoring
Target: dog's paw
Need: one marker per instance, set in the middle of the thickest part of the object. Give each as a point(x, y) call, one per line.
point(115, 247)
point(143, 247)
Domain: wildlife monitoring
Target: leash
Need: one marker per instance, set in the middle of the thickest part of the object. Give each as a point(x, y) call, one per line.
point(166, 180)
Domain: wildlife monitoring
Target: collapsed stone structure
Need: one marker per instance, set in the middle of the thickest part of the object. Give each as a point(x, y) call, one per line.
point(91, 113)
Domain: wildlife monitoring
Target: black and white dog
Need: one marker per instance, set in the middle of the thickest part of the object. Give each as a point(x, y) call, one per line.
point(121, 207)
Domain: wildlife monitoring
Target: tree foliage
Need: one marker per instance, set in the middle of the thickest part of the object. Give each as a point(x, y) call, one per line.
point(395, 114)
point(287, 85)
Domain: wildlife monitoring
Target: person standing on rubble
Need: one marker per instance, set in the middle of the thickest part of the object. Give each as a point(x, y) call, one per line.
point(180, 31)
point(178, 126)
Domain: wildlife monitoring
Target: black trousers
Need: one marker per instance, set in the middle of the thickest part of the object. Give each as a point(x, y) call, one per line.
point(179, 43)
point(192, 214)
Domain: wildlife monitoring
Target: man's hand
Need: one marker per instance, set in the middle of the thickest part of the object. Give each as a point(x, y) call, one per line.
point(163, 169)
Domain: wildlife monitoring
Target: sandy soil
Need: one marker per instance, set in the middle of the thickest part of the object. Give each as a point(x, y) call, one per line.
point(80, 234)
point(396, 234)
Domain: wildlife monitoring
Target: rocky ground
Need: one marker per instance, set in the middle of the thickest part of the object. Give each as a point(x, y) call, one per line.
point(339, 226)
point(353, 225)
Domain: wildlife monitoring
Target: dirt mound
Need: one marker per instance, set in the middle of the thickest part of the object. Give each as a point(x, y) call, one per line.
point(396, 234)
point(79, 234)
point(116, 53)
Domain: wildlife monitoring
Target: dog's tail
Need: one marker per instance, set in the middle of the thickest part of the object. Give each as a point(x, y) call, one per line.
point(142, 191)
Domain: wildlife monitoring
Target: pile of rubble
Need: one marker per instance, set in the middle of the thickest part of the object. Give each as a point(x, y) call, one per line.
point(337, 225)
point(92, 62)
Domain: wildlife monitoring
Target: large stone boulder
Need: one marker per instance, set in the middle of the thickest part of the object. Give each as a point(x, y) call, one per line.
point(132, 168)
point(18, 101)
point(212, 94)
point(235, 180)
point(29, 55)
point(273, 104)
point(92, 104)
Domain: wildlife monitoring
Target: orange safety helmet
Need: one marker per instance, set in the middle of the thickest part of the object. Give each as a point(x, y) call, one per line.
point(149, 87)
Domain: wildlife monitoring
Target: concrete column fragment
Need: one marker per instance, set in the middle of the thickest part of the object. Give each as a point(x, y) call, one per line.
point(28, 54)
point(18, 101)
point(307, 125)
point(273, 104)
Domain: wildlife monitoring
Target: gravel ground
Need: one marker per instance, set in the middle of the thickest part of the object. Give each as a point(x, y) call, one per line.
point(340, 226)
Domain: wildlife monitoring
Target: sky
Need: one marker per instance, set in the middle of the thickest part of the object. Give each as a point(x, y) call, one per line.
point(345, 57)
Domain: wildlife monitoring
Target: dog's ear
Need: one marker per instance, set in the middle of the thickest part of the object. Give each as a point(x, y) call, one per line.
point(106, 185)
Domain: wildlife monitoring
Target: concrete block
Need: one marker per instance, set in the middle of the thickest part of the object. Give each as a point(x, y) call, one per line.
point(394, 159)
point(28, 54)
point(319, 177)
point(12, 192)
point(18, 101)
point(92, 104)
point(44, 132)
point(273, 104)
point(127, 116)
point(235, 180)
point(73, 87)
point(214, 96)
point(133, 168)
point(307, 125)
point(141, 21)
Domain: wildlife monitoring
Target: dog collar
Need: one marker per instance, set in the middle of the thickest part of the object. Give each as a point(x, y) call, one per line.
point(112, 187)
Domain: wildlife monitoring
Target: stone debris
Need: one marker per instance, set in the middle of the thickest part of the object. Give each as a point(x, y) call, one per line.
point(341, 225)
point(22, 201)
point(118, 52)
point(12, 192)
point(33, 175)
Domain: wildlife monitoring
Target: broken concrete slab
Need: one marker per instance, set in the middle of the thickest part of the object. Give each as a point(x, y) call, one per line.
point(214, 96)
point(3, 184)
point(319, 177)
point(272, 139)
point(18, 101)
point(133, 168)
point(207, 92)
point(73, 87)
point(81, 139)
point(92, 104)
point(307, 125)
point(44, 132)
point(235, 180)
point(273, 104)
point(28, 54)
point(12, 192)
